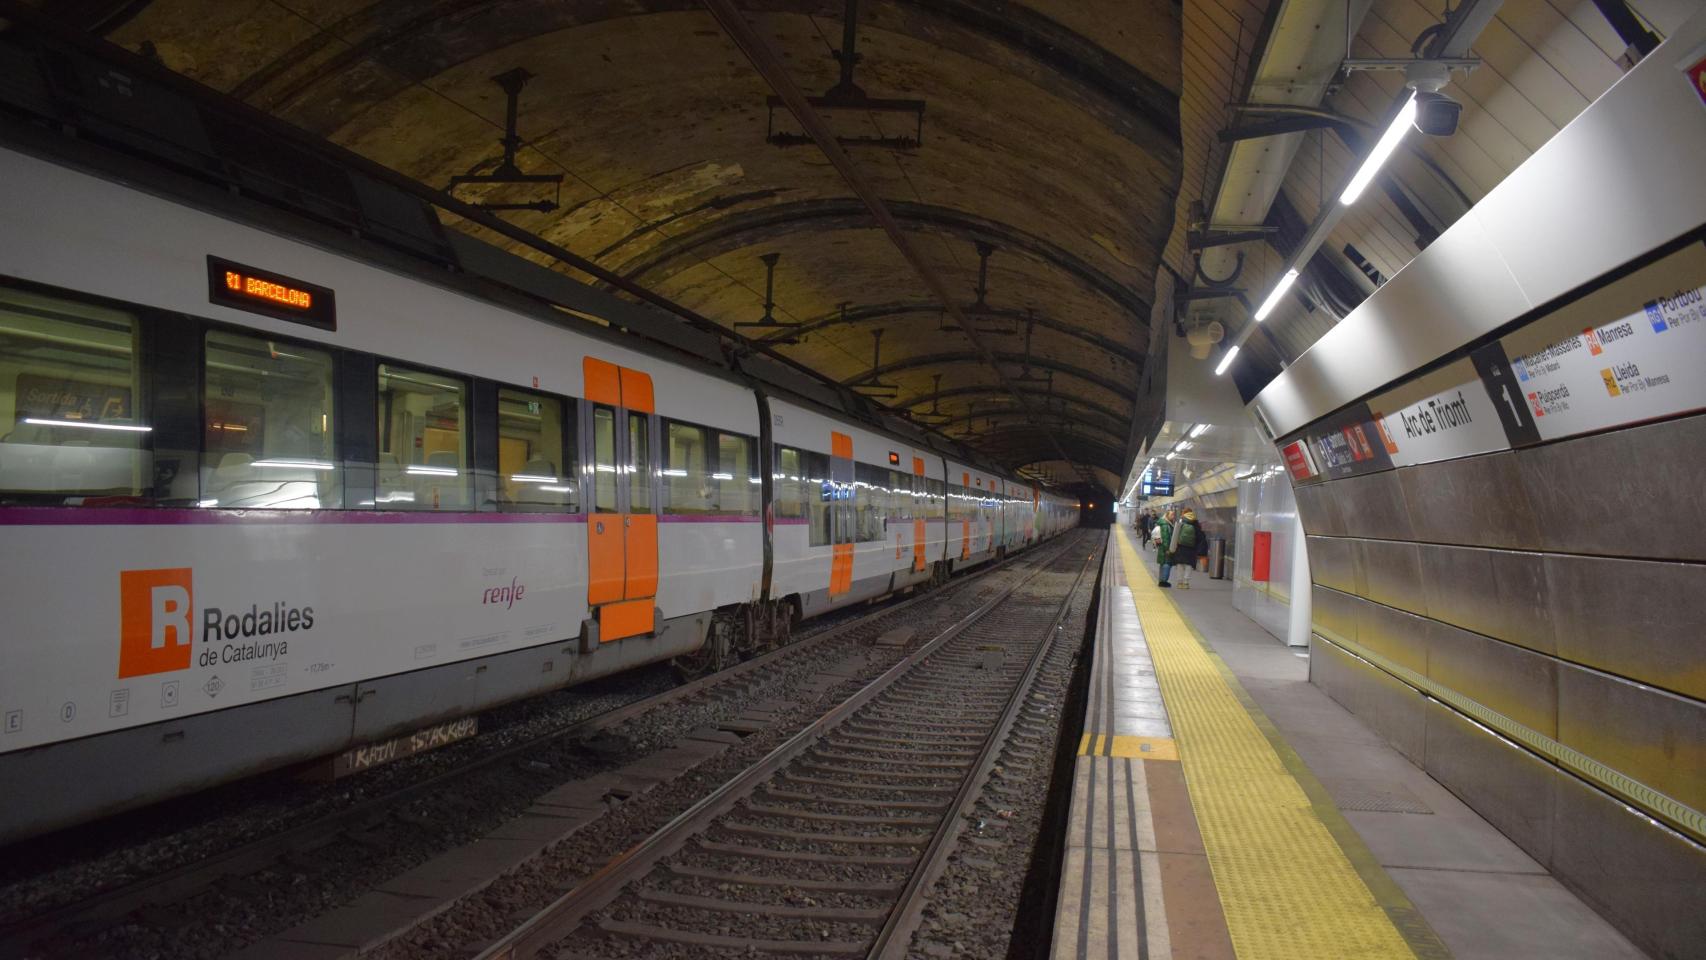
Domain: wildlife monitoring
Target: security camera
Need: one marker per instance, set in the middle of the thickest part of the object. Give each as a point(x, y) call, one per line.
point(1436, 113)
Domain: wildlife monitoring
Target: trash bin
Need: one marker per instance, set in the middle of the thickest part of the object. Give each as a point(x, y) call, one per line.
point(1217, 558)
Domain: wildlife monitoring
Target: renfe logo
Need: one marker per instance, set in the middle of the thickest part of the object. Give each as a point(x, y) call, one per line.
point(506, 596)
point(154, 621)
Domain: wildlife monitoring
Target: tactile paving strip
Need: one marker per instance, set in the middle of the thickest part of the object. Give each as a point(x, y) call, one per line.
point(1287, 888)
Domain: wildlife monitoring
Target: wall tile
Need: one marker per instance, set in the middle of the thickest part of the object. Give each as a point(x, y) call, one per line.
point(1476, 501)
point(1332, 563)
point(1656, 737)
point(1371, 505)
point(1509, 786)
point(1629, 493)
point(1392, 633)
point(1318, 510)
point(1518, 683)
point(1648, 880)
point(1636, 619)
point(1334, 611)
point(1392, 573)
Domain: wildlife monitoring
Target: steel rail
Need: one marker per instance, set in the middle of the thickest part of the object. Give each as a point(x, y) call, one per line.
point(562, 916)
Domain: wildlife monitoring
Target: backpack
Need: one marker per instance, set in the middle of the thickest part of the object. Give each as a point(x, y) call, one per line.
point(1188, 535)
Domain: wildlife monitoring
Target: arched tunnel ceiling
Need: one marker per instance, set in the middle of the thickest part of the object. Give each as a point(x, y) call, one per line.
point(1051, 132)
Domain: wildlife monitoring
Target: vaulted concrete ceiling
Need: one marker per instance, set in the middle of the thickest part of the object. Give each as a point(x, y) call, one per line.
point(1051, 133)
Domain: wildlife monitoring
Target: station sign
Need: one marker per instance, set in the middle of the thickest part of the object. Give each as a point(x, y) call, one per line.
point(1632, 351)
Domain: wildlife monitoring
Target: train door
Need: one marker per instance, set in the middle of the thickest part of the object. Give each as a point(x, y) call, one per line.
point(841, 513)
point(918, 514)
point(622, 527)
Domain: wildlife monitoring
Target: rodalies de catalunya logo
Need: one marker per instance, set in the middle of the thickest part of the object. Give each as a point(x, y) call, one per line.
point(157, 625)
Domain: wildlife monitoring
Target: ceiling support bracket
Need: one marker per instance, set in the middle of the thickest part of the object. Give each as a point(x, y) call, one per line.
point(507, 172)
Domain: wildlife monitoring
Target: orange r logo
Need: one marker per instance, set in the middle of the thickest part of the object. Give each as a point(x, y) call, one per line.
point(154, 621)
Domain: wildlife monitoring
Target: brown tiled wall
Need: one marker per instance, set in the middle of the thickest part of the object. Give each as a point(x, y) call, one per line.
point(1565, 588)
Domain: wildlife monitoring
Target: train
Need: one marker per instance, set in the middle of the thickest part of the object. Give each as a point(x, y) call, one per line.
point(265, 500)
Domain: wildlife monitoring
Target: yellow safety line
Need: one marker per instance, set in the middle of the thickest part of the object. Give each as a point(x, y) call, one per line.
point(1288, 890)
point(1122, 745)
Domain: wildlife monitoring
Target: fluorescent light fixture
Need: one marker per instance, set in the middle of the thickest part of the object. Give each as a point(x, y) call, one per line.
point(1199, 430)
point(1226, 361)
point(532, 478)
point(722, 476)
point(1273, 299)
point(607, 468)
point(675, 473)
point(207, 503)
point(1383, 148)
point(1172, 455)
point(87, 425)
point(555, 489)
point(398, 497)
point(1183, 445)
point(420, 471)
point(295, 464)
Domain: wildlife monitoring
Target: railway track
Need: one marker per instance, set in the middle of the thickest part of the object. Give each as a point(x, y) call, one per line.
point(372, 824)
point(827, 844)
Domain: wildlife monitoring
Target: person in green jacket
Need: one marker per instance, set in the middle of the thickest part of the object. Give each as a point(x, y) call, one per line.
point(1163, 543)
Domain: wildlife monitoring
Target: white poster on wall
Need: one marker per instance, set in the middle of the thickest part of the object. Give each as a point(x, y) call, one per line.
point(1440, 416)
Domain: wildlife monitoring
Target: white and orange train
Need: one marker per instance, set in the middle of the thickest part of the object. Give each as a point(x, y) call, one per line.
point(263, 500)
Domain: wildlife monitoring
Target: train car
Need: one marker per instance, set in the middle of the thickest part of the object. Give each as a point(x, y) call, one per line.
point(857, 512)
point(265, 500)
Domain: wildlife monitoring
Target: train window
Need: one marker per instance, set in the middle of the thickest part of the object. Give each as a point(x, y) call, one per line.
point(686, 477)
point(820, 494)
point(533, 472)
point(71, 425)
point(789, 504)
point(900, 495)
point(268, 425)
point(603, 459)
point(639, 464)
point(870, 502)
point(423, 440)
point(736, 476)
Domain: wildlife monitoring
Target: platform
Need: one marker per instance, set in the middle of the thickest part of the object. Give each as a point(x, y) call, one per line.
point(1223, 807)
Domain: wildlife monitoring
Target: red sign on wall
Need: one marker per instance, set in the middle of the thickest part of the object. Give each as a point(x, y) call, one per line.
point(1261, 556)
point(1297, 460)
point(1697, 78)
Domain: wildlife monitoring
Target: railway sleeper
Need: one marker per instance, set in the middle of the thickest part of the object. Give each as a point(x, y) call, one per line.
point(644, 931)
point(839, 914)
point(864, 887)
point(804, 836)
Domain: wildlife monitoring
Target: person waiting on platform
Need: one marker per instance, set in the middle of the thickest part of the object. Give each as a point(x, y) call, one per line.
point(1186, 543)
point(1161, 536)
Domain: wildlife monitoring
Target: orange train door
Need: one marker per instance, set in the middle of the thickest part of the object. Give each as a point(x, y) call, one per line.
point(917, 515)
point(841, 511)
point(622, 524)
